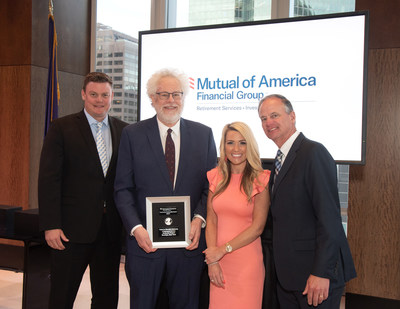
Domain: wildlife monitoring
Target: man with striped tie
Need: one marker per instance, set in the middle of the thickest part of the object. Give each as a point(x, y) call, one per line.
point(76, 205)
point(310, 249)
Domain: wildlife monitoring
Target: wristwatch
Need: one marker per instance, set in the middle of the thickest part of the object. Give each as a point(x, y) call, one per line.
point(228, 248)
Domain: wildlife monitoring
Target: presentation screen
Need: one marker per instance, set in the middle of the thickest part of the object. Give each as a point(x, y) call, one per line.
point(319, 63)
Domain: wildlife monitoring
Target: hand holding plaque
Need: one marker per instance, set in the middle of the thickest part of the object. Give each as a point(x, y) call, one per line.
point(168, 221)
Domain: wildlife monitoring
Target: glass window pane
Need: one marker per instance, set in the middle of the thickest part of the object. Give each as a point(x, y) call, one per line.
point(318, 7)
point(208, 12)
point(118, 25)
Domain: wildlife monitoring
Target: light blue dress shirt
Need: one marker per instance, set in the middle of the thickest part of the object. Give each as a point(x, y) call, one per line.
point(105, 130)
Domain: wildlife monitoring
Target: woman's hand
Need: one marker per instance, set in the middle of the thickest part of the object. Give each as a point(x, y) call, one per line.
point(214, 254)
point(216, 275)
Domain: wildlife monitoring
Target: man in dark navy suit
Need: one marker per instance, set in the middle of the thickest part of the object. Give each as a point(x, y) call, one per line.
point(76, 203)
point(143, 171)
point(311, 252)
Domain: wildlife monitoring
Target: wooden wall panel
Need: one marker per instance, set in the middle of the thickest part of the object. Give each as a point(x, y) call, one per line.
point(23, 72)
point(73, 21)
point(15, 32)
point(374, 195)
point(14, 135)
point(384, 22)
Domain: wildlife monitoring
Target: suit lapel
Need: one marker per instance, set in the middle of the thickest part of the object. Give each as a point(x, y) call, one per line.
point(288, 162)
point(153, 135)
point(87, 135)
point(184, 152)
point(114, 142)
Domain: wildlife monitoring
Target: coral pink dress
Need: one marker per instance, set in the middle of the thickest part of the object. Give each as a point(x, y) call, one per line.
point(243, 269)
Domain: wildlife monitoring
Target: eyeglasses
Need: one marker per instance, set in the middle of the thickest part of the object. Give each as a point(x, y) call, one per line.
point(165, 95)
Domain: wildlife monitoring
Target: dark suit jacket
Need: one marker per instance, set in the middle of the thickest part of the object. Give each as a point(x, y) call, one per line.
point(72, 187)
point(142, 172)
point(308, 236)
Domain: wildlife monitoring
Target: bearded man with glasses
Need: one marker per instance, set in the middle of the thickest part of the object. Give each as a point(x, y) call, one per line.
point(164, 156)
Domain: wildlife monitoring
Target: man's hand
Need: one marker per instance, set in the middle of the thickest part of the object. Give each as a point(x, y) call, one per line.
point(317, 290)
point(194, 235)
point(55, 238)
point(143, 239)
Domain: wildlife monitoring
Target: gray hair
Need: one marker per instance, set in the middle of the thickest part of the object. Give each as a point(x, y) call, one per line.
point(284, 100)
point(153, 81)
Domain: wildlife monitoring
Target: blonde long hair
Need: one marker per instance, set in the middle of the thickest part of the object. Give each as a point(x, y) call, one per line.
point(253, 163)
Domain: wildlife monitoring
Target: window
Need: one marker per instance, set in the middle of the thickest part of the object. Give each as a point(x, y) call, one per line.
point(318, 7)
point(118, 23)
point(207, 12)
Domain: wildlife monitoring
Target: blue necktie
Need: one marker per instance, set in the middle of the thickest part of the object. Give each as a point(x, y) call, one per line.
point(278, 161)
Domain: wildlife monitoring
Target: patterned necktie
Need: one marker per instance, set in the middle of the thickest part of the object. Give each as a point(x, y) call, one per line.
point(101, 148)
point(278, 161)
point(170, 155)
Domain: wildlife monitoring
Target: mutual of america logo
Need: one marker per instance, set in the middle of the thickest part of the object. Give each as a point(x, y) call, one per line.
point(241, 88)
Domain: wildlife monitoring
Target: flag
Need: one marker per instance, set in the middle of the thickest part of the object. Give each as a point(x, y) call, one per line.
point(53, 89)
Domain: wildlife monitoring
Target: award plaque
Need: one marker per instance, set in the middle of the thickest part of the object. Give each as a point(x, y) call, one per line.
point(168, 221)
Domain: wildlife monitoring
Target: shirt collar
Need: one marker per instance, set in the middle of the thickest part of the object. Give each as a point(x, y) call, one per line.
point(94, 121)
point(288, 144)
point(163, 128)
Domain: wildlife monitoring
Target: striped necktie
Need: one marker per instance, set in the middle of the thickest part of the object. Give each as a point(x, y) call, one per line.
point(101, 148)
point(278, 161)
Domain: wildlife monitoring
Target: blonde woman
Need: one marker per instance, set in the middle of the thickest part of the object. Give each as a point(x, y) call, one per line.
point(237, 208)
